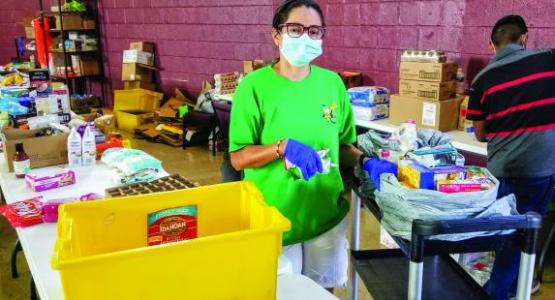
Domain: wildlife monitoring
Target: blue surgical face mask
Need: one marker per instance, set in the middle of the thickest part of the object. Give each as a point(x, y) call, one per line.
point(300, 51)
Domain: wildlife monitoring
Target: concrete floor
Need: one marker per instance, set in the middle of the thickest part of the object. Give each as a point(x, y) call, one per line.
point(197, 164)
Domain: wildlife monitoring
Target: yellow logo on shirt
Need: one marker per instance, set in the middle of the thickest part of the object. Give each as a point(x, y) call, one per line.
point(328, 112)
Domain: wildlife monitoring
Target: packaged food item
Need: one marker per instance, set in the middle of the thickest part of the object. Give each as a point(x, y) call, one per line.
point(172, 225)
point(23, 213)
point(40, 181)
point(416, 176)
point(478, 175)
point(458, 186)
point(50, 212)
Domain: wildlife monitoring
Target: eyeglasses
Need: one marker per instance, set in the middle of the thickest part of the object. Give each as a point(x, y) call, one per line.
point(296, 30)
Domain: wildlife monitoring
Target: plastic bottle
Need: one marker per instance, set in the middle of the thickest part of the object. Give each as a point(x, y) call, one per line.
point(460, 81)
point(21, 161)
point(89, 147)
point(74, 149)
point(407, 136)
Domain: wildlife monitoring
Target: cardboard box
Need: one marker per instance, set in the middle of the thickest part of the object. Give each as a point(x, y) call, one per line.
point(43, 151)
point(252, 65)
point(138, 57)
point(142, 46)
point(69, 22)
point(89, 24)
point(30, 32)
point(464, 124)
point(106, 124)
point(179, 95)
point(440, 115)
point(169, 109)
point(129, 120)
point(135, 72)
point(427, 90)
point(89, 67)
point(131, 85)
point(435, 72)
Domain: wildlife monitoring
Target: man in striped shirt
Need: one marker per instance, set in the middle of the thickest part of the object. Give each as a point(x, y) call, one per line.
point(512, 104)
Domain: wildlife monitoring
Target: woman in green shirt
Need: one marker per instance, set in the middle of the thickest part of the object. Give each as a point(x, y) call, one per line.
point(289, 111)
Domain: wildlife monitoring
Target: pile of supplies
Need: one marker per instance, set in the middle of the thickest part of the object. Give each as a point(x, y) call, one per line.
point(433, 182)
point(38, 210)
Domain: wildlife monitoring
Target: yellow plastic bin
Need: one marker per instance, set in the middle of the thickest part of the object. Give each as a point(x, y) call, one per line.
point(101, 250)
point(128, 120)
point(137, 99)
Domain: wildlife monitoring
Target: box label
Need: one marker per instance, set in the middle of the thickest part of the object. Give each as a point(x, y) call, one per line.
point(429, 111)
point(172, 225)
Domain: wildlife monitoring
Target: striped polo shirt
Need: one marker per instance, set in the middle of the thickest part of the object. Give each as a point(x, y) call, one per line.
point(515, 96)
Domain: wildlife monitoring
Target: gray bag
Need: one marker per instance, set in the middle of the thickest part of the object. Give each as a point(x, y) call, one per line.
point(401, 205)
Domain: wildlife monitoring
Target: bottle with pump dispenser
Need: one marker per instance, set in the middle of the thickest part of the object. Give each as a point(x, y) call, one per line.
point(89, 147)
point(74, 149)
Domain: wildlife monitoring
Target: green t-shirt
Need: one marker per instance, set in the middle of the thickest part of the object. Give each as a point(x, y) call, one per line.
point(317, 112)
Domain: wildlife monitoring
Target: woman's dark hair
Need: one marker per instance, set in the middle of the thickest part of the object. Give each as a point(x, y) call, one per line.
point(282, 13)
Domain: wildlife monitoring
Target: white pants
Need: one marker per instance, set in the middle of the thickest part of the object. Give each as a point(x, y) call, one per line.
point(323, 259)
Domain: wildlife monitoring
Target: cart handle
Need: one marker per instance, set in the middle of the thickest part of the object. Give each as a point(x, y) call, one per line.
point(530, 223)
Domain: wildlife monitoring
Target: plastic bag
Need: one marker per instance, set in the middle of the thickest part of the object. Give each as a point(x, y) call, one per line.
point(136, 163)
point(13, 107)
point(114, 155)
point(400, 206)
point(372, 142)
point(23, 213)
point(432, 138)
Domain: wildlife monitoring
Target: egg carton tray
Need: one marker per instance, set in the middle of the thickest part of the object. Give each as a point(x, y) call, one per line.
point(164, 184)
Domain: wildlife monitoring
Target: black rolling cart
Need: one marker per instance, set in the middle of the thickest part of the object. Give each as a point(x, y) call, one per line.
point(423, 269)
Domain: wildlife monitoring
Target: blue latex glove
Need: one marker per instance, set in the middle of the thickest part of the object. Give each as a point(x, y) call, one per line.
point(303, 157)
point(376, 167)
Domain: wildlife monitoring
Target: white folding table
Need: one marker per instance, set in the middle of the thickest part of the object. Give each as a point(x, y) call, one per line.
point(38, 241)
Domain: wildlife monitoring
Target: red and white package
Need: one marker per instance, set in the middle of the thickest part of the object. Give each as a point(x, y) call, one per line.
point(23, 213)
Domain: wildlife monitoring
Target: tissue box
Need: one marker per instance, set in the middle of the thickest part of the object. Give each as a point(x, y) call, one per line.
point(40, 181)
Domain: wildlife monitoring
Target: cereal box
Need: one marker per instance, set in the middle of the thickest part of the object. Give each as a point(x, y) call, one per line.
point(172, 225)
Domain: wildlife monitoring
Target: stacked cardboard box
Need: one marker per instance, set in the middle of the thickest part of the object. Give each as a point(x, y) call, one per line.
point(428, 80)
point(138, 69)
point(427, 94)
